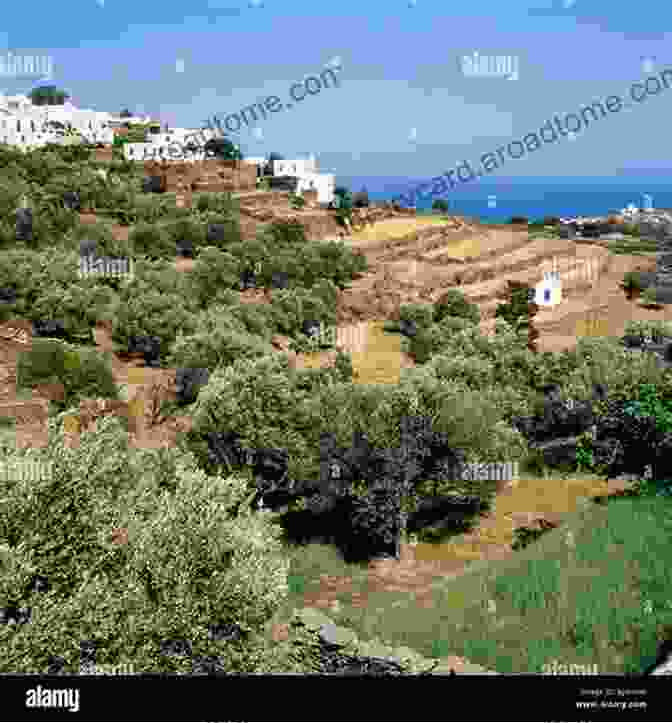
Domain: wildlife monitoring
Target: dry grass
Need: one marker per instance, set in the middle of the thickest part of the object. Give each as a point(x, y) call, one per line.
point(392, 228)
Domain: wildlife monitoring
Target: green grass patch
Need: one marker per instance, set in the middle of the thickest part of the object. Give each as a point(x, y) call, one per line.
point(599, 597)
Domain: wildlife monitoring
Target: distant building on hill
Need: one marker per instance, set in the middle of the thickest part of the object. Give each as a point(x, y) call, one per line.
point(548, 292)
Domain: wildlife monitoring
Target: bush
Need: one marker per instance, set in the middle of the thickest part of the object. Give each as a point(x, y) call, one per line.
point(185, 230)
point(631, 281)
point(286, 233)
point(217, 342)
point(454, 324)
point(214, 271)
point(84, 373)
point(527, 535)
point(292, 307)
point(198, 561)
point(101, 233)
point(188, 382)
point(150, 240)
point(150, 313)
point(222, 231)
point(453, 303)
point(649, 297)
point(419, 314)
point(297, 201)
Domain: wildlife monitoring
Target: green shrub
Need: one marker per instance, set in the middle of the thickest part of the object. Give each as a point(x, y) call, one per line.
point(151, 240)
point(286, 233)
point(526, 536)
point(214, 271)
point(631, 281)
point(422, 345)
point(186, 229)
point(649, 297)
point(197, 556)
point(101, 232)
point(292, 307)
point(78, 305)
point(454, 324)
point(150, 313)
point(219, 203)
point(84, 373)
point(297, 201)
point(655, 329)
point(219, 339)
point(421, 314)
point(453, 303)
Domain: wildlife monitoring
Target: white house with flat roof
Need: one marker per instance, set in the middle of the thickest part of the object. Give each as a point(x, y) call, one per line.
point(171, 145)
point(298, 168)
point(309, 179)
point(25, 125)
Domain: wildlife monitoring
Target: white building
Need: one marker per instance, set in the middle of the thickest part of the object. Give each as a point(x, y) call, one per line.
point(323, 183)
point(295, 168)
point(548, 292)
point(27, 126)
point(309, 177)
point(171, 145)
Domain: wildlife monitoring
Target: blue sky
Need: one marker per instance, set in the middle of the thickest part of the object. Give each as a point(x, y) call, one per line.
point(403, 106)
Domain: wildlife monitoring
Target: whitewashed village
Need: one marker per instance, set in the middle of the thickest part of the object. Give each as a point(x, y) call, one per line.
point(26, 125)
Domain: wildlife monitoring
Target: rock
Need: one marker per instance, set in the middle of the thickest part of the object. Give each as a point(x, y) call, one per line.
point(663, 664)
point(336, 636)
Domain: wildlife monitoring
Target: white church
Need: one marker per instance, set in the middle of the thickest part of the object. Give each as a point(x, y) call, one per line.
point(548, 292)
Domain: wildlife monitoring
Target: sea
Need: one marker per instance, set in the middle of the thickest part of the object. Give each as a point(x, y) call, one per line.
point(497, 200)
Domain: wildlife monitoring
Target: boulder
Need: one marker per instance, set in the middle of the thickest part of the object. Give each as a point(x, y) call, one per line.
point(335, 636)
point(663, 663)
